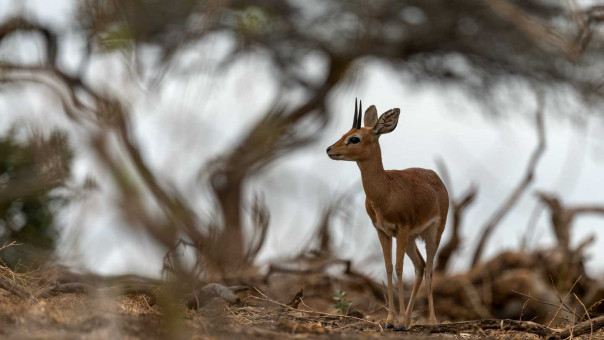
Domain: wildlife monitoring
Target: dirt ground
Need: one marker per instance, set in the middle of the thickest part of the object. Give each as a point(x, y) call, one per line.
point(56, 303)
point(82, 316)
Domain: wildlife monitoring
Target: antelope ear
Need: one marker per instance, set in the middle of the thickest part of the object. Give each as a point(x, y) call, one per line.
point(387, 122)
point(370, 116)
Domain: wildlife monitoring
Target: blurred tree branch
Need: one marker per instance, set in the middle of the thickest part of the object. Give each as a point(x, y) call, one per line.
point(562, 216)
point(107, 113)
point(459, 206)
point(472, 44)
point(515, 195)
point(261, 218)
point(30, 171)
point(269, 139)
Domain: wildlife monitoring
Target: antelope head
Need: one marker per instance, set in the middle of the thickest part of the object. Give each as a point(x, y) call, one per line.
point(361, 143)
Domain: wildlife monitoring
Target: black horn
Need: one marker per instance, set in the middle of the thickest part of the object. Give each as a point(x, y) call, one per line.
point(360, 117)
point(354, 121)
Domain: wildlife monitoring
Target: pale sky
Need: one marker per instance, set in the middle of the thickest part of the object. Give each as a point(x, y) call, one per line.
point(188, 122)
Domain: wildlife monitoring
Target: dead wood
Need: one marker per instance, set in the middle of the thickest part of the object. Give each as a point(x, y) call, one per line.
point(459, 206)
point(7, 284)
point(513, 325)
point(261, 218)
point(16, 24)
point(529, 175)
point(201, 296)
point(322, 235)
point(59, 281)
point(296, 299)
point(562, 216)
point(584, 327)
point(316, 263)
point(107, 112)
point(506, 324)
point(62, 288)
point(270, 138)
point(195, 299)
point(13, 288)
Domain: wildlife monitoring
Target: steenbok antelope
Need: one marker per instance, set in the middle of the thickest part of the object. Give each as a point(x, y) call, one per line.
point(405, 204)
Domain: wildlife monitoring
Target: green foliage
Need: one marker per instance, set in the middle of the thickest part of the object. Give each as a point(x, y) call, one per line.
point(122, 25)
point(341, 302)
point(29, 171)
point(118, 38)
point(253, 20)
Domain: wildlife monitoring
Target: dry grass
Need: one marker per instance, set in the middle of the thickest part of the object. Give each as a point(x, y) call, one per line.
point(262, 312)
point(257, 316)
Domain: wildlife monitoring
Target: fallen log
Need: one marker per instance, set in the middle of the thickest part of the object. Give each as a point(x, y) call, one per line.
point(199, 297)
point(133, 285)
point(585, 327)
point(487, 324)
point(14, 289)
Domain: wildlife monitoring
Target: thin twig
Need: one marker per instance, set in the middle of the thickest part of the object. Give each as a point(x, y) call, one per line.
point(149, 306)
point(266, 298)
point(542, 302)
point(561, 300)
point(572, 328)
point(524, 305)
point(6, 245)
point(595, 304)
point(591, 325)
point(474, 299)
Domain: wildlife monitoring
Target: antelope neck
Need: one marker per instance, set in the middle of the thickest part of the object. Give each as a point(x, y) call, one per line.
point(374, 176)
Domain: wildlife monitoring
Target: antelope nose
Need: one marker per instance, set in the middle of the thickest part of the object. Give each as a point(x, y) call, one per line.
point(329, 148)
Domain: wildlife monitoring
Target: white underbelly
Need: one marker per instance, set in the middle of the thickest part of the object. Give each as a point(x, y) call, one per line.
point(390, 228)
point(423, 227)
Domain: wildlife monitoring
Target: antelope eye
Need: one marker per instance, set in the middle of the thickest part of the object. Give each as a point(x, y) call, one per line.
point(354, 140)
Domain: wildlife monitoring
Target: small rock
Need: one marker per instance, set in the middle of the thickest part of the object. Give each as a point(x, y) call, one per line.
point(356, 313)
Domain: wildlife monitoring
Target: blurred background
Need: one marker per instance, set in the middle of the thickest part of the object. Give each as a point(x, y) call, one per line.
point(128, 126)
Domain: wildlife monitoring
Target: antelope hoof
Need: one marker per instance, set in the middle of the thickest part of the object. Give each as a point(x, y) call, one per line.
point(389, 326)
point(400, 328)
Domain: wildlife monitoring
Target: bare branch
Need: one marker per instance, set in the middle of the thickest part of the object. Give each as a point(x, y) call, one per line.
point(203, 295)
point(267, 140)
point(515, 195)
point(562, 216)
point(260, 220)
point(591, 326)
point(16, 24)
point(514, 325)
point(459, 206)
point(508, 325)
point(584, 327)
point(14, 289)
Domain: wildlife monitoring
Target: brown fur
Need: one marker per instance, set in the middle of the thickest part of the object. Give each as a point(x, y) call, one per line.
point(404, 204)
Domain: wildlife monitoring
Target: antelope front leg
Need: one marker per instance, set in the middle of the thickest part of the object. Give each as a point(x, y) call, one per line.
point(386, 242)
point(402, 237)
